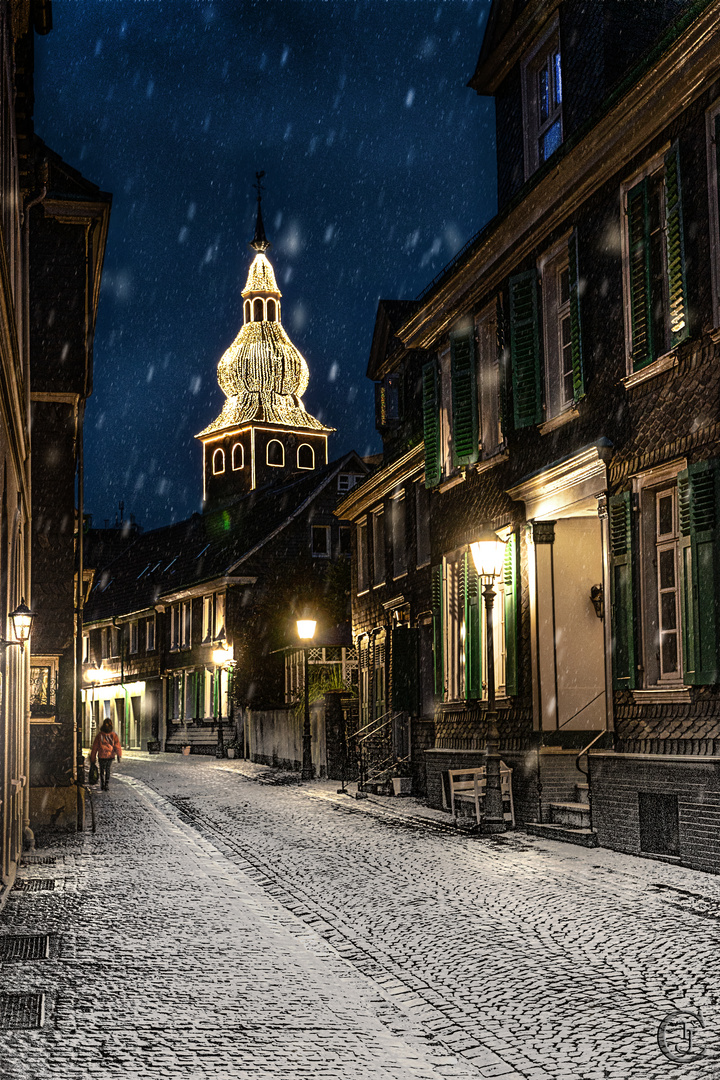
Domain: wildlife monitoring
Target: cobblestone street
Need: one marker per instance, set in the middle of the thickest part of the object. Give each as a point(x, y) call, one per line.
point(226, 921)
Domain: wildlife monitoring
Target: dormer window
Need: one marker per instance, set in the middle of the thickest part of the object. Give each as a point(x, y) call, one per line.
point(542, 101)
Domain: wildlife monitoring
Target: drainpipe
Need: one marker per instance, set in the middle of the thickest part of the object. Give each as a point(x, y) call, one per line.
point(28, 835)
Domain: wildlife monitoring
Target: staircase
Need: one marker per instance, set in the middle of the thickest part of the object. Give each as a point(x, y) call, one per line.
point(569, 821)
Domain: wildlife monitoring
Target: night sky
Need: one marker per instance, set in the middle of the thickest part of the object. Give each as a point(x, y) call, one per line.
point(379, 165)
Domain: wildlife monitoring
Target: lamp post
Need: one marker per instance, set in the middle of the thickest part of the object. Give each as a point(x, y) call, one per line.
point(306, 632)
point(487, 552)
point(223, 660)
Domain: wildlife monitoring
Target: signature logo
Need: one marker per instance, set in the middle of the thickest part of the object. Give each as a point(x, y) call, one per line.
point(681, 1036)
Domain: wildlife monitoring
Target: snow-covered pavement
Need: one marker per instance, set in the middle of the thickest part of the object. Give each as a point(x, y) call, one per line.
point(224, 923)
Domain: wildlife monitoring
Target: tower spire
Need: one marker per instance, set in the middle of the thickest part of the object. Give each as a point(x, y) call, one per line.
point(259, 241)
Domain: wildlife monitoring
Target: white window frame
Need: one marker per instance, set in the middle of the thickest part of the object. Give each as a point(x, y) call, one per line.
point(133, 637)
point(646, 487)
point(237, 446)
point(713, 193)
point(217, 458)
point(533, 128)
point(555, 313)
point(86, 649)
point(274, 464)
point(399, 552)
point(220, 616)
point(150, 633)
point(207, 618)
point(306, 446)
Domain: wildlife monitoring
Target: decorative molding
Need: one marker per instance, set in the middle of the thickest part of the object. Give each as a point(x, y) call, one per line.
point(490, 463)
point(658, 696)
point(564, 484)
point(543, 532)
point(451, 482)
point(206, 587)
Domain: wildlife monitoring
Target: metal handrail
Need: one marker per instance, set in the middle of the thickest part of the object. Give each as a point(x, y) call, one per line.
point(585, 750)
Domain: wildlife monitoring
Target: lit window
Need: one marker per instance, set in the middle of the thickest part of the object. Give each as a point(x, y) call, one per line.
point(305, 456)
point(219, 631)
point(86, 648)
point(218, 462)
point(275, 453)
point(320, 541)
point(542, 102)
point(238, 456)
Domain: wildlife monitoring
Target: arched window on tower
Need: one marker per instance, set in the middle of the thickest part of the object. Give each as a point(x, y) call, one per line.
point(248, 311)
point(305, 456)
point(238, 456)
point(271, 311)
point(258, 310)
point(218, 462)
point(275, 453)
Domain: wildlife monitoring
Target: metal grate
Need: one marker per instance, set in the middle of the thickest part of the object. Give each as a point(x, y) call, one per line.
point(22, 1010)
point(24, 947)
point(38, 860)
point(35, 885)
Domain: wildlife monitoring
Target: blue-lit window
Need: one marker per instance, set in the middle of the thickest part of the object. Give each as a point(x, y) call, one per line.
point(542, 94)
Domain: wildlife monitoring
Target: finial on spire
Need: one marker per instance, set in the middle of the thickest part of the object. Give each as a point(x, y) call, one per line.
point(259, 241)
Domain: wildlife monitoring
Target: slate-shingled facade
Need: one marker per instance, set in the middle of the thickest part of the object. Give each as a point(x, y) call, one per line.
point(234, 577)
point(570, 401)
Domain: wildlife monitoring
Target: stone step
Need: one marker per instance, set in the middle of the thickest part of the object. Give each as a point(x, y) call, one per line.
point(576, 815)
point(583, 837)
point(582, 793)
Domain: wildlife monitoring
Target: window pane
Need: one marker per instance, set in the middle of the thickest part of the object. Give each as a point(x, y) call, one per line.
point(669, 653)
point(667, 569)
point(564, 286)
point(668, 611)
point(558, 79)
point(665, 516)
point(544, 93)
point(550, 141)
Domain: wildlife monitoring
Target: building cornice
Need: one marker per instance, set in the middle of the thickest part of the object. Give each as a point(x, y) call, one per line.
point(382, 483)
point(567, 482)
point(205, 587)
point(685, 70)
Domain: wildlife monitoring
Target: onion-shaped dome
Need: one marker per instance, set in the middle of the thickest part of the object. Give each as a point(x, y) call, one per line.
point(262, 374)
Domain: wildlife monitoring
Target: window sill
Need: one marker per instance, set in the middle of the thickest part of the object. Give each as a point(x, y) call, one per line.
point(559, 421)
point(663, 363)
point(451, 482)
point(658, 695)
point(422, 565)
point(362, 592)
point(397, 577)
point(379, 585)
point(491, 462)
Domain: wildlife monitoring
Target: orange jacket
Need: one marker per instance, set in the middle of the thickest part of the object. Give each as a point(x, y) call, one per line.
point(106, 745)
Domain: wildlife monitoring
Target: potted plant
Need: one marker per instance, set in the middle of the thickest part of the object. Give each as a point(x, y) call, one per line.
point(233, 748)
point(186, 749)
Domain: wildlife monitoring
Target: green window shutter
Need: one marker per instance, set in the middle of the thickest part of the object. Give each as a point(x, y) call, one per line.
point(639, 244)
point(405, 669)
point(473, 637)
point(438, 629)
point(431, 424)
point(698, 499)
point(575, 322)
point(464, 397)
point(512, 606)
point(621, 587)
point(525, 349)
point(675, 248)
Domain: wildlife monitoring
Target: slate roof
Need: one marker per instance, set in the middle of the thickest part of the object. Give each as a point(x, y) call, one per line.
point(201, 548)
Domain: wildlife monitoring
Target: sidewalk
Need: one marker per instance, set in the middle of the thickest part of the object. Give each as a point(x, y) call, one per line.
point(166, 960)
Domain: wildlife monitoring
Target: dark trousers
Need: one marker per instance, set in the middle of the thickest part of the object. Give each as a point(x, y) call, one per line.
point(104, 764)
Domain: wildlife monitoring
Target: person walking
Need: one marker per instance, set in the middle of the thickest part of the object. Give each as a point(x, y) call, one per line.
point(105, 746)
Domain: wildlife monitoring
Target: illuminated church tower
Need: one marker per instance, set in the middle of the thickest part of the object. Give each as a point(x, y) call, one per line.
point(263, 434)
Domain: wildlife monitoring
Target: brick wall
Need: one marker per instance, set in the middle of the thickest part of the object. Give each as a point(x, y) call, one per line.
point(616, 781)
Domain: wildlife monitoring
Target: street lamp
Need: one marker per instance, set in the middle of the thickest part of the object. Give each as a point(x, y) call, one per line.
point(306, 632)
point(223, 660)
point(22, 620)
point(487, 552)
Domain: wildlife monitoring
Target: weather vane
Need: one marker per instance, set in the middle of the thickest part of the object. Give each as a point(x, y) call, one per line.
point(259, 242)
point(258, 185)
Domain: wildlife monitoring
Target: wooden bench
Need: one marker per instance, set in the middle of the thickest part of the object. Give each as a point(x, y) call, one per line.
point(468, 785)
